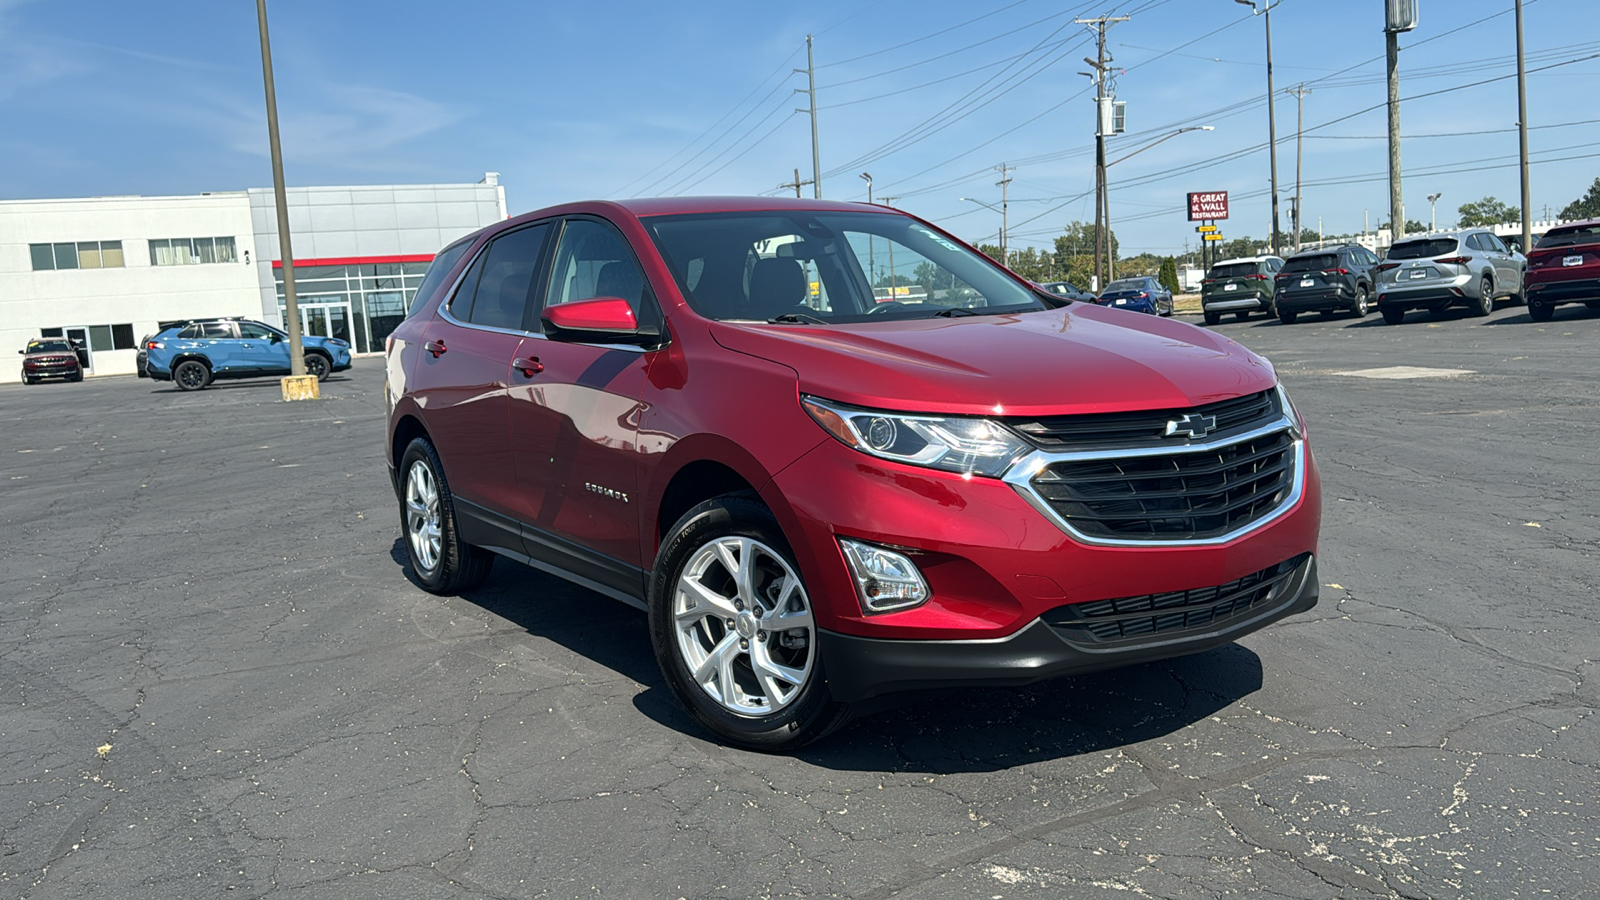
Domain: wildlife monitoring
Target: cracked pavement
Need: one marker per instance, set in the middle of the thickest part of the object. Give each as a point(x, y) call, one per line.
point(216, 679)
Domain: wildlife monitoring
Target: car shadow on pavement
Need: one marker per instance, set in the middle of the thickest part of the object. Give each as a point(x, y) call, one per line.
point(939, 732)
point(230, 384)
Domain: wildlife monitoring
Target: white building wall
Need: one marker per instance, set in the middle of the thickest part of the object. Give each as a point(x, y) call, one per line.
point(137, 293)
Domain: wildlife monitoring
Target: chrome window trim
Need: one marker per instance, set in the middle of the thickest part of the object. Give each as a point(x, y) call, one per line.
point(1021, 475)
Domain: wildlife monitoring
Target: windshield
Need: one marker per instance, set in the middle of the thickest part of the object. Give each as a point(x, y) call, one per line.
point(1312, 263)
point(1420, 249)
point(799, 266)
point(1232, 270)
point(1589, 234)
point(49, 347)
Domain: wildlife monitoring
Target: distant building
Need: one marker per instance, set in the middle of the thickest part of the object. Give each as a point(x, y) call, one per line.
point(106, 271)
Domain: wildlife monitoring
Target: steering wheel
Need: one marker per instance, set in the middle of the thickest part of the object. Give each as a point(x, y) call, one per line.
point(885, 306)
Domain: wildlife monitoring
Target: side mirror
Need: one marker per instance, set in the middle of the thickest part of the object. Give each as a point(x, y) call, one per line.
point(602, 320)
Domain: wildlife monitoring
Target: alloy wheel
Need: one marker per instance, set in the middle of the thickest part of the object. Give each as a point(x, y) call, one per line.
point(422, 516)
point(743, 625)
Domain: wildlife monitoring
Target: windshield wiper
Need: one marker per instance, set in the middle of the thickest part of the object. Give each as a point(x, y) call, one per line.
point(797, 319)
point(951, 312)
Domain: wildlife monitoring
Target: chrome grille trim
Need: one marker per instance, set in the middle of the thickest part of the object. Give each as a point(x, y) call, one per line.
point(1022, 474)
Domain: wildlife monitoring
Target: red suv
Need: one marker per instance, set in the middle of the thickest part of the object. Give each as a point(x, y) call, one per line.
point(1564, 267)
point(820, 493)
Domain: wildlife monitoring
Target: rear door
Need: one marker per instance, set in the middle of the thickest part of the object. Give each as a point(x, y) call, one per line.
point(1507, 269)
point(222, 346)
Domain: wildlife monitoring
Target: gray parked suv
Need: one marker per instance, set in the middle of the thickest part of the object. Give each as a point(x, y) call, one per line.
point(1468, 268)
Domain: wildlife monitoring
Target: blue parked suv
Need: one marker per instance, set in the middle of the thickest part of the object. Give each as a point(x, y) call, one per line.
point(193, 355)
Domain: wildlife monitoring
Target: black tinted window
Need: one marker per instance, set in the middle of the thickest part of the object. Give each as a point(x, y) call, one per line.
point(191, 332)
point(502, 290)
point(216, 330)
point(1312, 263)
point(1588, 234)
point(1232, 270)
point(433, 282)
point(593, 260)
point(1421, 249)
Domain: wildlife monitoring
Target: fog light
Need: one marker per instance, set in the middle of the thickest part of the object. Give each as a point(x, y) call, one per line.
point(885, 580)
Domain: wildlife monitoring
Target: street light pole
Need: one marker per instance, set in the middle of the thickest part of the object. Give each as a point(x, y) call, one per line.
point(1272, 119)
point(1522, 136)
point(297, 357)
point(1433, 218)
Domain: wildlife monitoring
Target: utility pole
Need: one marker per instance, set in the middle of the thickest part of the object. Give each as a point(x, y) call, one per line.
point(796, 183)
point(1272, 119)
point(1004, 184)
point(1398, 17)
point(1522, 135)
point(297, 356)
point(1299, 158)
point(1101, 117)
point(811, 91)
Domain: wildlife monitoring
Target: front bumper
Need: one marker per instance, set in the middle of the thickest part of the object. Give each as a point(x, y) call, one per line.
point(52, 370)
point(859, 668)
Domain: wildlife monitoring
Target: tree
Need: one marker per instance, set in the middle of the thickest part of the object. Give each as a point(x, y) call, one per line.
point(1169, 275)
point(1415, 227)
point(1079, 240)
point(1585, 207)
point(1487, 211)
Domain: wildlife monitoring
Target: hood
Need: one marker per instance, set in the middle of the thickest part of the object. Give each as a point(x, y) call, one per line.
point(1079, 359)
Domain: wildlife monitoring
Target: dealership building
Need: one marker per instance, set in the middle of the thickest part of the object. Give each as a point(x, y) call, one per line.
point(106, 271)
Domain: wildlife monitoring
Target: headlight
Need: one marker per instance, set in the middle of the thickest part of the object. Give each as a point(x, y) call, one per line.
point(1290, 410)
point(953, 444)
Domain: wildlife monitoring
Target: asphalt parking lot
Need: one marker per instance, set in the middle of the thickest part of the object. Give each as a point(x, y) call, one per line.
point(216, 679)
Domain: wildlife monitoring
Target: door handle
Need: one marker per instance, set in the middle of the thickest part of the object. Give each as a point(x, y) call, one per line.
point(437, 348)
point(528, 367)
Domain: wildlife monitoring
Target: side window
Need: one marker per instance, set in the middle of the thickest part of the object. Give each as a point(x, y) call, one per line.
point(1473, 242)
point(190, 333)
point(503, 288)
point(250, 331)
point(433, 282)
point(594, 260)
point(216, 330)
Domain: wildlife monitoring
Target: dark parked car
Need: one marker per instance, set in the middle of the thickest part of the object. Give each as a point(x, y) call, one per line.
point(50, 358)
point(1143, 294)
point(1436, 271)
point(192, 356)
point(1239, 286)
point(1564, 267)
point(1326, 280)
point(697, 406)
point(1066, 289)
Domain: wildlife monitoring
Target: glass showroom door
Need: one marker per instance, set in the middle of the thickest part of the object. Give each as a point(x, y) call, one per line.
point(330, 320)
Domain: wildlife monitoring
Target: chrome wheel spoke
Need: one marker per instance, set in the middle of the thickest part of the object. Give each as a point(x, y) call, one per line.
point(710, 603)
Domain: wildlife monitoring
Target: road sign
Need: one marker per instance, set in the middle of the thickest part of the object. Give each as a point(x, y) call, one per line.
point(1211, 237)
point(1205, 229)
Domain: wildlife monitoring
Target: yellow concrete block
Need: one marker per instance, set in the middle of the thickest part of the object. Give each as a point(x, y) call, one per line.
point(301, 387)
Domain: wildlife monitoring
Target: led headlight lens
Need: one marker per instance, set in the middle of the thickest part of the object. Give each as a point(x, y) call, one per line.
point(953, 444)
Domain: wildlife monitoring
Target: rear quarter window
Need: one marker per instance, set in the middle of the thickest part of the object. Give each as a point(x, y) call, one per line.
point(437, 270)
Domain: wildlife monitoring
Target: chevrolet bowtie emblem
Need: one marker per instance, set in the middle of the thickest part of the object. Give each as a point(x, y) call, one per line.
point(1191, 426)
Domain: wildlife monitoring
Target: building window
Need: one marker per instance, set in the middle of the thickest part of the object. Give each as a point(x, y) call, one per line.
point(79, 255)
point(192, 251)
point(358, 303)
point(101, 337)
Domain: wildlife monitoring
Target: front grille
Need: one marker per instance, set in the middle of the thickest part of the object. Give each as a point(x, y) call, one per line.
point(1178, 496)
point(1096, 431)
point(1133, 618)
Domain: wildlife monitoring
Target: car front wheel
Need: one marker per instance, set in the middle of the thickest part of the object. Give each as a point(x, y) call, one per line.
point(734, 631)
point(442, 561)
point(1360, 307)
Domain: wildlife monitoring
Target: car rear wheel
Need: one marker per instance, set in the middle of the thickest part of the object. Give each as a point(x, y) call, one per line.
point(1541, 312)
point(1393, 315)
point(443, 563)
point(1213, 318)
point(1485, 304)
point(734, 630)
point(1286, 318)
point(318, 365)
point(191, 375)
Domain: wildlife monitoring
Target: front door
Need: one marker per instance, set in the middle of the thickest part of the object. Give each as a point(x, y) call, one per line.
point(80, 340)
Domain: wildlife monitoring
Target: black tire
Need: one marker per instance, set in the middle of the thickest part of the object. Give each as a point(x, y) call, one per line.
point(1213, 318)
point(1393, 314)
point(1360, 307)
point(191, 375)
point(1541, 312)
point(692, 552)
point(76, 376)
point(1485, 304)
point(442, 562)
point(1287, 318)
point(28, 379)
point(319, 365)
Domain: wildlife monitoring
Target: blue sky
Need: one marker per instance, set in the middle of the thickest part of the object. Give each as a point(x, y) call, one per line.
point(613, 99)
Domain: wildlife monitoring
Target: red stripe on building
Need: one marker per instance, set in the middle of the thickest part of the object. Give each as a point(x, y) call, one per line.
point(358, 260)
